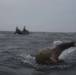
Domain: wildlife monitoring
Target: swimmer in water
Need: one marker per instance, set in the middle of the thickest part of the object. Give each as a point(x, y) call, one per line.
point(50, 56)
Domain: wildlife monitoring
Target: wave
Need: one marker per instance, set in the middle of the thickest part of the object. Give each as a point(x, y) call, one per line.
point(29, 62)
point(53, 67)
point(22, 60)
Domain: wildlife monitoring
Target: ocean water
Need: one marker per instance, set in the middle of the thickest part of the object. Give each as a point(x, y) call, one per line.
point(17, 54)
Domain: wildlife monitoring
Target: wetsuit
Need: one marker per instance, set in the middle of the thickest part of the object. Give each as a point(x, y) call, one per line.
point(48, 56)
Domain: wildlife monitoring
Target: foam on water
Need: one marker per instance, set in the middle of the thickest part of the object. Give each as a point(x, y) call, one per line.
point(27, 56)
point(66, 52)
point(55, 43)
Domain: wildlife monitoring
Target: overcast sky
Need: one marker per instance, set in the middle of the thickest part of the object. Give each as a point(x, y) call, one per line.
point(38, 15)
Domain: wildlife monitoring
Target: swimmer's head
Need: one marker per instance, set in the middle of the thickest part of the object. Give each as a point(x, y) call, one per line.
point(56, 43)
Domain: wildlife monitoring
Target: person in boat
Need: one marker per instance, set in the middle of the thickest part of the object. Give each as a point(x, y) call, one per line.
point(50, 56)
point(18, 31)
point(24, 29)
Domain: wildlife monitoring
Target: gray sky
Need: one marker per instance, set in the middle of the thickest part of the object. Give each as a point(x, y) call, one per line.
point(38, 15)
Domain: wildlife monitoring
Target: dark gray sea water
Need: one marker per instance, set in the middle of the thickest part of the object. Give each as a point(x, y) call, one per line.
point(17, 54)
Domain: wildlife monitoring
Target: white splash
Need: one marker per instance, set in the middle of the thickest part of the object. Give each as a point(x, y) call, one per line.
point(27, 56)
point(67, 52)
point(55, 43)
